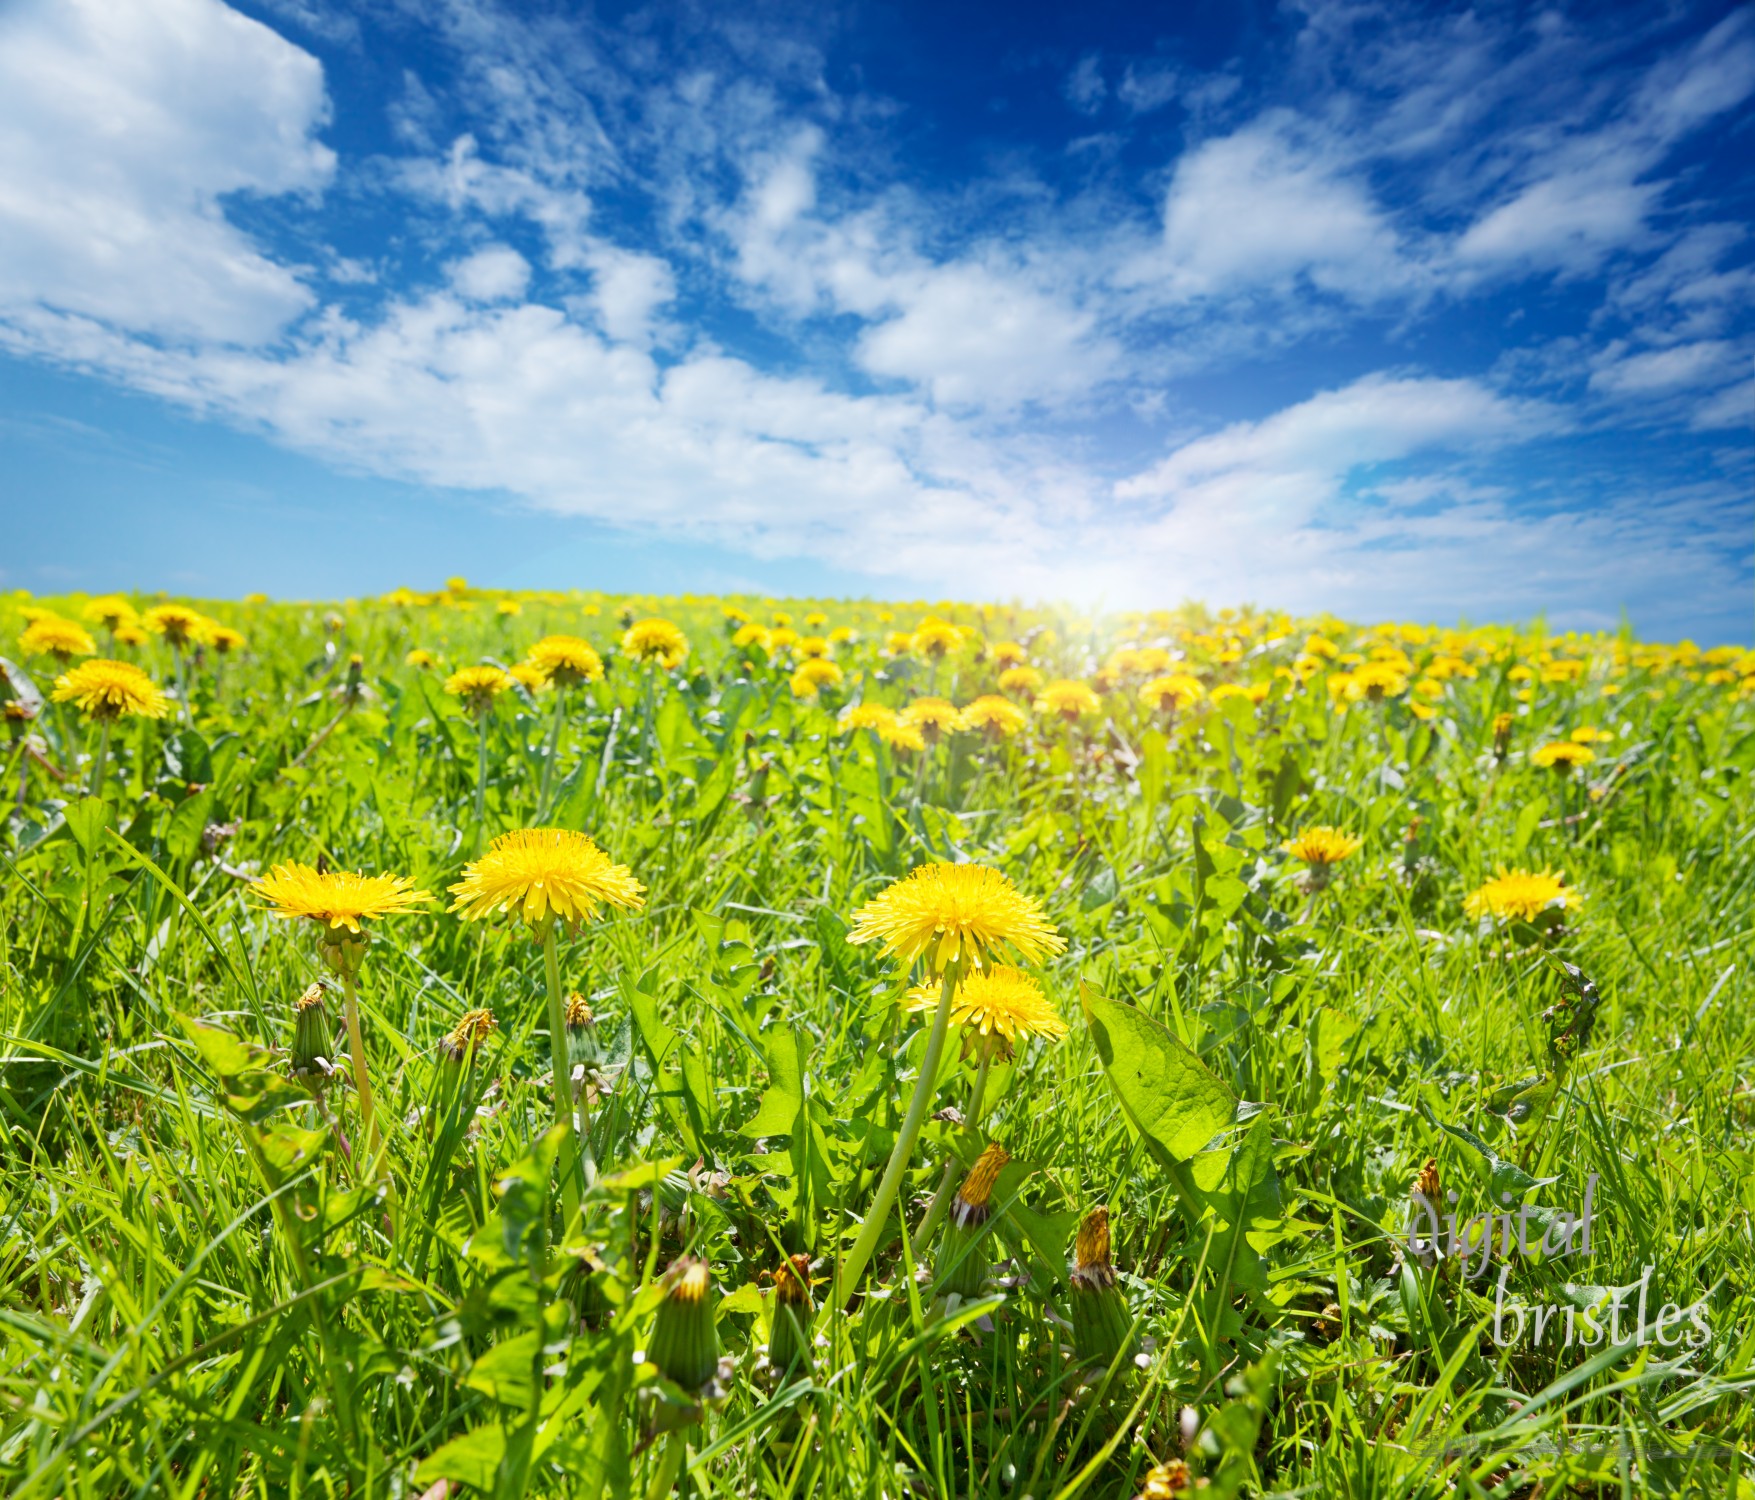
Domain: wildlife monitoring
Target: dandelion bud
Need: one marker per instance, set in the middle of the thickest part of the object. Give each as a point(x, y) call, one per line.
point(342, 950)
point(1102, 1324)
point(468, 1036)
point(1501, 736)
point(789, 1345)
point(311, 1035)
point(1423, 1203)
point(965, 1252)
point(685, 1343)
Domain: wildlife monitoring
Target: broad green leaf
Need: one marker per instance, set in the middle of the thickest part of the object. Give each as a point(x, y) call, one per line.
point(1168, 1093)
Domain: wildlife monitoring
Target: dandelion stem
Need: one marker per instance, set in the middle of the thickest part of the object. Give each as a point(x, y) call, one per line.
point(98, 760)
point(562, 1068)
point(853, 1267)
point(481, 764)
point(554, 749)
point(935, 1211)
point(362, 1079)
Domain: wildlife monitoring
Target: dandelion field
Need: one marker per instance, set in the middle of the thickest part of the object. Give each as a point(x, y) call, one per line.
point(997, 1052)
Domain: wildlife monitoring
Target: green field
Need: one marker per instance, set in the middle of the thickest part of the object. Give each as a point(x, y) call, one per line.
point(218, 1277)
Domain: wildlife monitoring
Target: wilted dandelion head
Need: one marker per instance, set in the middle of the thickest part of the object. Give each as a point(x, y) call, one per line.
point(336, 898)
point(1322, 845)
point(566, 660)
point(1071, 700)
point(1168, 1481)
point(1522, 895)
point(1564, 756)
point(999, 1004)
point(177, 623)
point(1426, 1183)
point(974, 1200)
point(473, 1028)
point(51, 635)
point(578, 1012)
point(1091, 1263)
point(111, 690)
point(656, 641)
point(539, 874)
point(955, 914)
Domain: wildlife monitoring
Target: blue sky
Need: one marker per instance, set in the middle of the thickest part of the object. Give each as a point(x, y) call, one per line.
point(1433, 314)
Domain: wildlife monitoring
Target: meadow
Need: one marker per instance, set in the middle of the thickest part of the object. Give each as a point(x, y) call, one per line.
point(563, 1044)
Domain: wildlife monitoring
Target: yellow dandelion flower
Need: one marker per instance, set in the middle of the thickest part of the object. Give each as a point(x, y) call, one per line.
point(336, 898)
point(1071, 700)
point(951, 914)
point(1522, 895)
point(111, 690)
point(898, 643)
point(1023, 680)
point(224, 639)
point(934, 639)
point(1587, 734)
point(866, 716)
point(656, 641)
point(478, 686)
point(1174, 692)
point(782, 619)
point(815, 620)
point(111, 611)
point(782, 638)
point(542, 873)
point(813, 675)
point(843, 635)
point(812, 646)
point(131, 634)
point(1000, 1002)
point(177, 623)
point(752, 635)
point(50, 635)
point(1322, 845)
point(994, 716)
point(423, 661)
point(933, 717)
point(1564, 756)
point(1376, 681)
point(508, 609)
point(900, 736)
point(528, 676)
point(566, 660)
point(1006, 654)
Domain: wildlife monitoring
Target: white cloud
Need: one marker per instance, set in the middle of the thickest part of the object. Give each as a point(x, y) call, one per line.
point(1282, 470)
point(122, 124)
point(1732, 408)
point(629, 288)
point(1084, 87)
point(1264, 208)
point(1663, 371)
point(495, 273)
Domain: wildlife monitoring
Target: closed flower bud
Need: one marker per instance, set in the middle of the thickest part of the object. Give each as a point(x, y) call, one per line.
point(1501, 736)
point(312, 1035)
point(685, 1342)
point(789, 1345)
point(965, 1251)
point(1102, 1324)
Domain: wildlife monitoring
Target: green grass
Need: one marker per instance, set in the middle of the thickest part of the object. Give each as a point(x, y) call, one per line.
point(203, 1293)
